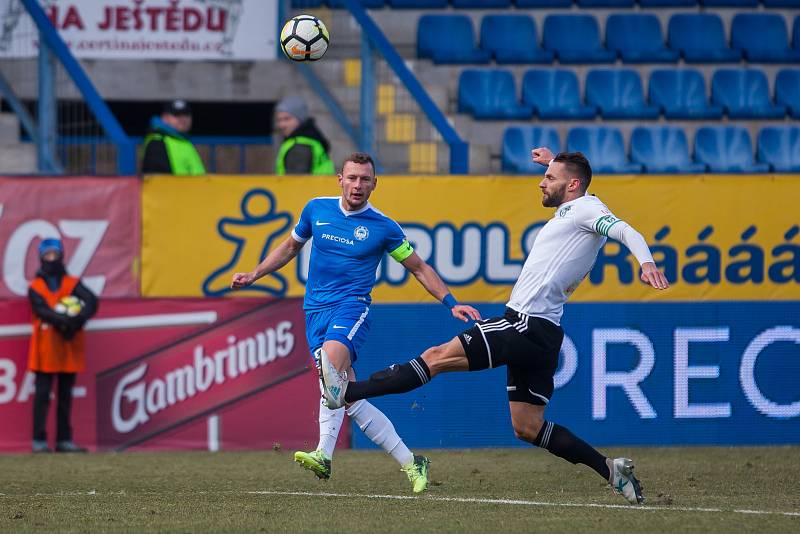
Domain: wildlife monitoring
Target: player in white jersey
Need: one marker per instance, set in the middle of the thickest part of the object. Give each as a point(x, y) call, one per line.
point(527, 339)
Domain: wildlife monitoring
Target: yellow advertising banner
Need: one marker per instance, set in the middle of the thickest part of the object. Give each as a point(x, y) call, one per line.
point(720, 237)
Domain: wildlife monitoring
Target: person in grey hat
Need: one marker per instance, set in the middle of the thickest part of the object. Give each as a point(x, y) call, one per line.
point(167, 149)
point(304, 149)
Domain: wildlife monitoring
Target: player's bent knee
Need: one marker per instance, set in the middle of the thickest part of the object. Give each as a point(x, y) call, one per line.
point(528, 430)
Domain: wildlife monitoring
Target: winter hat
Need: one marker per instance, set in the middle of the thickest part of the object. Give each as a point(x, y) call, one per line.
point(50, 244)
point(295, 106)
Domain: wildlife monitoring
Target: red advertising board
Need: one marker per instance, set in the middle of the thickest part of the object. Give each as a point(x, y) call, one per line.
point(98, 220)
point(176, 374)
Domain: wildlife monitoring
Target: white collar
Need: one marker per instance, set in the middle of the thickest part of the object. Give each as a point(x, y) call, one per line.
point(349, 213)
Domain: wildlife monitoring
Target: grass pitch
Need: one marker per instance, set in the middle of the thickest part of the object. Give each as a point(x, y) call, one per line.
point(491, 490)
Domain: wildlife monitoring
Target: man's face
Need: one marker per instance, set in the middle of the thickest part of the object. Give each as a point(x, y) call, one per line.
point(182, 123)
point(286, 122)
point(358, 181)
point(51, 255)
point(556, 183)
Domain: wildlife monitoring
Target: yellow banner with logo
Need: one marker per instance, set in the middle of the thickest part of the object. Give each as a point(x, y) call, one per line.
point(720, 237)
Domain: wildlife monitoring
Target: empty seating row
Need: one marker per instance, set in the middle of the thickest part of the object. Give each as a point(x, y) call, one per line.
point(660, 149)
point(635, 38)
point(618, 94)
point(473, 4)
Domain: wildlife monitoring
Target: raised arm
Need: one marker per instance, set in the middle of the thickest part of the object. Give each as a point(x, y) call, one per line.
point(277, 258)
point(628, 236)
point(434, 285)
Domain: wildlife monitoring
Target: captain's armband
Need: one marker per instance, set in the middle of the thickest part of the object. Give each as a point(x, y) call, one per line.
point(402, 252)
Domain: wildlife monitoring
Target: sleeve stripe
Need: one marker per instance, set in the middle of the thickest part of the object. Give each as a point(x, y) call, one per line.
point(299, 238)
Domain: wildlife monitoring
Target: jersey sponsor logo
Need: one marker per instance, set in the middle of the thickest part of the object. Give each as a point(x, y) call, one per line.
point(361, 233)
point(338, 239)
point(320, 223)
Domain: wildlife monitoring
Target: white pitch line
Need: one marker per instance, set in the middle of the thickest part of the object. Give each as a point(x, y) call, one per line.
point(518, 502)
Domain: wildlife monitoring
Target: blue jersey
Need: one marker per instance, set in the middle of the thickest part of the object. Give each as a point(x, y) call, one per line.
point(347, 248)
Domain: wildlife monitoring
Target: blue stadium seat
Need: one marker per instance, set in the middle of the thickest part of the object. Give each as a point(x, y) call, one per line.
point(763, 38)
point(365, 3)
point(481, 3)
point(681, 94)
point(524, 48)
point(668, 3)
point(605, 3)
point(575, 39)
point(726, 149)
point(423, 4)
point(302, 4)
point(553, 94)
point(459, 47)
point(603, 146)
point(490, 94)
point(729, 3)
point(543, 3)
point(638, 39)
point(796, 33)
point(700, 38)
point(517, 145)
point(787, 91)
point(779, 146)
point(618, 94)
point(662, 149)
point(781, 3)
point(744, 94)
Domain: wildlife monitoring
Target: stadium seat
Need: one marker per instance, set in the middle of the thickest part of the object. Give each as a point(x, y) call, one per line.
point(779, 146)
point(726, 149)
point(575, 39)
point(744, 94)
point(553, 94)
point(603, 146)
point(524, 48)
point(301, 4)
point(700, 38)
point(458, 47)
point(787, 91)
point(638, 39)
point(543, 3)
point(517, 145)
point(605, 3)
point(418, 4)
point(796, 33)
point(365, 3)
point(729, 3)
point(490, 94)
point(762, 37)
point(662, 149)
point(618, 94)
point(681, 94)
point(668, 3)
point(781, 3)
point(471, 4)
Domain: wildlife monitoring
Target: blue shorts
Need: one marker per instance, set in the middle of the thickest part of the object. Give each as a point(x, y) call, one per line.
point(347, 323)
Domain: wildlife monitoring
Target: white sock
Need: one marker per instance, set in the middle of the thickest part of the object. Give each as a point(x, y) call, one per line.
point(330, 421)
point(380, 430)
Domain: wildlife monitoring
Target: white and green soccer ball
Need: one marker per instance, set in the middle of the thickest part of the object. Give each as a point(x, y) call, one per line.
point(69, 306)
point(304, 38)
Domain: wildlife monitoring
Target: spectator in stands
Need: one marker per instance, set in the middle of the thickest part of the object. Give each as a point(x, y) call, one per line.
point(57, 345)
point(304, 149)
point(167, 149)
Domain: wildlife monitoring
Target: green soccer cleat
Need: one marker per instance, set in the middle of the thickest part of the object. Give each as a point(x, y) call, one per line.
point(418, 473)
point(316, 462)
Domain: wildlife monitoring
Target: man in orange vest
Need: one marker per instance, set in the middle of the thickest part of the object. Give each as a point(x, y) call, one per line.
point(57, 344)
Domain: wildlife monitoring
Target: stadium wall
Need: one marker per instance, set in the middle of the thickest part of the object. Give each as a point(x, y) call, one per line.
point(714, 360)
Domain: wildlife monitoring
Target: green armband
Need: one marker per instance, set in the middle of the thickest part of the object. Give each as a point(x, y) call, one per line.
point(402, 252)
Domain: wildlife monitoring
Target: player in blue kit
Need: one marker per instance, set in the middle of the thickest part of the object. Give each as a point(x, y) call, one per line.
point(350, 238)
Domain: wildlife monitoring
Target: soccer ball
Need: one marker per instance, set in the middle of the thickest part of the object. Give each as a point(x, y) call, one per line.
point(304, 38)
point(70, 306)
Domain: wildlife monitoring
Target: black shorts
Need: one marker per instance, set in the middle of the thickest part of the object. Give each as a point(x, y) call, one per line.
point(528, 346)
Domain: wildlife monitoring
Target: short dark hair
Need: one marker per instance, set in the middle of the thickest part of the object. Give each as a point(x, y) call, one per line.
point(362, 158)
point(578, 165)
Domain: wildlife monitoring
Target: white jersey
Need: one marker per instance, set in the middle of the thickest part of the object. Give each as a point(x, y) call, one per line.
point(562, 255)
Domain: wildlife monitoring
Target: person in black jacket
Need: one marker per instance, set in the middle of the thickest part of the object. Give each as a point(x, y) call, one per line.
point(304, 149)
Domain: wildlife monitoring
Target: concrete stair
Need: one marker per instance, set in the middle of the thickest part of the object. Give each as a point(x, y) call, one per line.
point(15, 157)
